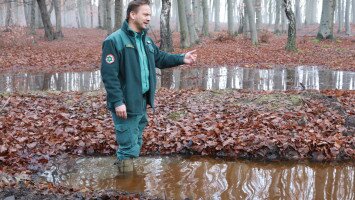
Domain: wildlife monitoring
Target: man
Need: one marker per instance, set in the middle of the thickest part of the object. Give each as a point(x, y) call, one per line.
point(129, 58)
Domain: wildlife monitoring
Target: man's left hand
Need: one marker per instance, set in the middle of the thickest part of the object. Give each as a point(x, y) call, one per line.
point(190, 57)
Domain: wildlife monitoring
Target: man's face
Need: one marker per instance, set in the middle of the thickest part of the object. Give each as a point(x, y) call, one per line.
point(141, 19)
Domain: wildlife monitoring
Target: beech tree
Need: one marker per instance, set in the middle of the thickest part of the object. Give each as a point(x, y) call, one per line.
point(327, 20)
point(252, 24)
point(119, 14)
point(291, 39)
point(184, 33)
point(191, 23)
point(230, 5)
point(205, 26)
point(166, 43)
point(48, 29)
point(58, 19)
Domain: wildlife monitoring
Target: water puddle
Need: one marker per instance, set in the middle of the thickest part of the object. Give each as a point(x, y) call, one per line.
point(206, 178)
point(301, 77)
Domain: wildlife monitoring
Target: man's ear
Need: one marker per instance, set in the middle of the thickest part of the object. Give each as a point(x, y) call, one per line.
point(132, 15)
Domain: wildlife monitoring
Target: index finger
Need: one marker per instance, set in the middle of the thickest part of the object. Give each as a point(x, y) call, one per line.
point(193, 51)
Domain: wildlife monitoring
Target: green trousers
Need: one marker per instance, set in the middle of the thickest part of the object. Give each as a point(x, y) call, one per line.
point(129, 134)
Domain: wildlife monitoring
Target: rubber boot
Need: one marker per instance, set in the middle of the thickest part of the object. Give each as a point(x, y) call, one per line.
point(125, 166)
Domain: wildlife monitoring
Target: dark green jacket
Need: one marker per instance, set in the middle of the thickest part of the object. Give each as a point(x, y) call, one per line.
point(121, 73)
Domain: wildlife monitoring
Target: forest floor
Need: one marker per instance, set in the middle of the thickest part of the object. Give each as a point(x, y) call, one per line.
point(80, 50)
point(293, 125)
point(38, 127)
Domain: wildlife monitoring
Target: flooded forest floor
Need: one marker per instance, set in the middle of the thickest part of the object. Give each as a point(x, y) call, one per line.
point(293, 125)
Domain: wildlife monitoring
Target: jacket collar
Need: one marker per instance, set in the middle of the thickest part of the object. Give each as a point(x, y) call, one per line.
point(125, 27)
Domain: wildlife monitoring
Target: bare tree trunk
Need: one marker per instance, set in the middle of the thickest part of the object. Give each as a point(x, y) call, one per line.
point(283, 19)
point(252, 25)
point(157, 8)
point(51, 8)
point(291, 40)
point(230, 17)
point(211, 8)
point(33, 17)
point(217, 26)
point(91, 15)
point(99, 14)
point(176, 10)
point(327, 20)
point(81, 11)
point(241, 22)
point(340, 15)
point(205, 26)
point(48, 29)
point(353, 8)
point(1, 14)
point(263, 11)
point(166, 43)
point(104, 14)
point(58, 19)
point(246, 27)
point(8, 20)
point(77, 18)
point(197, 7)
point(277, 19)
point(16, 12)
point(347, 18)
point(314, 11)
point(118, 14)
point(270, 12)
point(298, 14)
point(39, 22)
point(184, 34)
point(27, 12)
point(311, 11)
point(307, 12)
point(191, 23)
point(258, 14)
point(108, 17)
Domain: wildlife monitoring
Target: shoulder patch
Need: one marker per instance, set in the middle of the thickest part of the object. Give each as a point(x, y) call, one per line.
point(110, 59)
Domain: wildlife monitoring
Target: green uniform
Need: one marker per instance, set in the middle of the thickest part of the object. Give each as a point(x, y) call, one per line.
point(128, 72)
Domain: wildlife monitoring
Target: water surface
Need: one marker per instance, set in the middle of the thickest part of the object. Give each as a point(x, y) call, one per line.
point(301, 77)
point(206, 178)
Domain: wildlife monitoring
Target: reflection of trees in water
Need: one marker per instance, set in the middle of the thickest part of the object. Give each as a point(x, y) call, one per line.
point(248, 79)
point(275, 188)
point(325, 77)
point(216, 78)
point(185, 82)
point(205, 78)
point(230, 78)
point(46, 81)
point(291, 81)
point(59, 80)
point(166, 78)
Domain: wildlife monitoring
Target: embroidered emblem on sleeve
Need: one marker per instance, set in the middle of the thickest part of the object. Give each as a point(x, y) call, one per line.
point(110, 59)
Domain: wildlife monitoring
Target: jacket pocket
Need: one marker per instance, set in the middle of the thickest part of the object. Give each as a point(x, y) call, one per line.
point(123, 136)
point(151, 48)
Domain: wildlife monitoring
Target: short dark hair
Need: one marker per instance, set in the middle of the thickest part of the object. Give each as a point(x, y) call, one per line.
point(134, 5)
